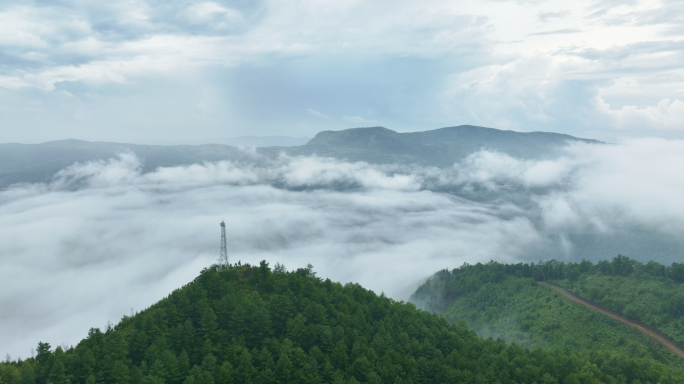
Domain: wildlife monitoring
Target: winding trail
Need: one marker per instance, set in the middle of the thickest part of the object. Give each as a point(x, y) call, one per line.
point(657, 335)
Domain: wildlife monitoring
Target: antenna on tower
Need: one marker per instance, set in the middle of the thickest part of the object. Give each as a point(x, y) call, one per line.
point(223, 259)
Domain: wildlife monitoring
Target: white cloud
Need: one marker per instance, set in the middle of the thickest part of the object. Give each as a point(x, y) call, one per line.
point(315, 113)
point(208, 10)
point(112, 232)
point(604, 187)
point(357, 120)
point(417, 65)
point(210, 15)
point(666, 115)
point(123, 239)
point(486, 166)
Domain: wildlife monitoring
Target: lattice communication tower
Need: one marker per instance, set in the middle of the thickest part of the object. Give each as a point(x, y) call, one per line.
point(223, 259)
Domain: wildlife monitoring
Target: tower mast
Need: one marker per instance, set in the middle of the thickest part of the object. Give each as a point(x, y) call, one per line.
point(223, 259)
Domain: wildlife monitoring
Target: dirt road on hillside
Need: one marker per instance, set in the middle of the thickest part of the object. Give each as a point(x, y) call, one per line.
point(659, 336)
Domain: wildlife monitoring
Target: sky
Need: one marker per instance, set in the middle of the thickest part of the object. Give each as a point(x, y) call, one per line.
point(149, 70)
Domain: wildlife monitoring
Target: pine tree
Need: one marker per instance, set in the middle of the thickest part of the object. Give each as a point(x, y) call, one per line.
point(207, 347)
point(328, 372)
point(183, 364)
point(158, 369)
point(57, 373)
point(204, 378)
point(208, 324)
point(115, 345)
point(153, 380)
point(361, 368)
point(245, 372)
point(209, 364)
point(284, 369)
point(310, 372)
point(120, 373)
point(281, 309)
point(265, 359)
point(295, 328)
point(225, 374)
point(184, 338)
point(43, 355)
point(264, 272)
point(28, 373)
point(373, 378)
point(339, 357)
point(171, 366)
point(136, 375)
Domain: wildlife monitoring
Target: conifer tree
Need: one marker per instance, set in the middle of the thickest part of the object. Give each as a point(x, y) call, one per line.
point(284, 369)
point(204, 378)
point(120, 373)
point(339, 357)
point(57, 373)
point(245, 372)
point(208, 324)
point(225, 374)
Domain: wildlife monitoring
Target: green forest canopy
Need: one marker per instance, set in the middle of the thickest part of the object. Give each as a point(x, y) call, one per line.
point(257, 325)
point(503, 300)
point(444, 286)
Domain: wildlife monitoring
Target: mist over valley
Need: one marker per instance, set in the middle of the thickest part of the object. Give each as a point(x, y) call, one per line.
point(113, 227)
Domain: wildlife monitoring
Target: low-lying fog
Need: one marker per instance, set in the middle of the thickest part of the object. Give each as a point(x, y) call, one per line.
point(103, 239)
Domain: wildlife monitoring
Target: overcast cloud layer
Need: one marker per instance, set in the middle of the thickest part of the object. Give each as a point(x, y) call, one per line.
point(188, 70)
point(103, 238)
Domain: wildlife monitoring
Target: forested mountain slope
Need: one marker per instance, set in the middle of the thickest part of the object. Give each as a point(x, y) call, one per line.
point(656, 300)
point(505, 301)
point(439, 147)
point(257, 325)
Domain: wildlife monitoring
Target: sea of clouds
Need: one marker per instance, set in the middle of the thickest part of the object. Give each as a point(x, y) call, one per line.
point(104, 239)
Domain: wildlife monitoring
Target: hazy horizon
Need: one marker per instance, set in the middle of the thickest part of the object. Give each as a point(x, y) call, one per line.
point(236, 140)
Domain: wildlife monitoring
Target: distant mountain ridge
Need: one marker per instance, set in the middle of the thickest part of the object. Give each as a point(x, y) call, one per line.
point(464, 133)
point(440, 147)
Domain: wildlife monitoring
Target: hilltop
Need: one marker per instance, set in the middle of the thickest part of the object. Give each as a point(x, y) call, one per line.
point(440, 147)
point(257, 325)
